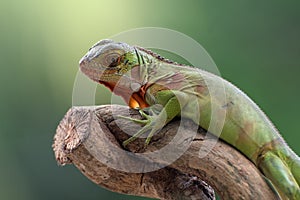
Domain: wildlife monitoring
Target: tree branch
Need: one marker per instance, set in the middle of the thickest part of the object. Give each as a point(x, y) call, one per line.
point(90, 138)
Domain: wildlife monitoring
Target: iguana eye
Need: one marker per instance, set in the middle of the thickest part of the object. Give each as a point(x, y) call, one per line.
point(112, 60)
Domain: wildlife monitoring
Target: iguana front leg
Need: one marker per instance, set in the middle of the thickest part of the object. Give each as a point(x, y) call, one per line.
point(159, 116)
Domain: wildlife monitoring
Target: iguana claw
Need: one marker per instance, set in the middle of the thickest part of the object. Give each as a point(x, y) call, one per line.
point(150, 124)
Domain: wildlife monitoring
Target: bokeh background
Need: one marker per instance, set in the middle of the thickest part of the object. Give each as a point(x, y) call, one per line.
point(255, 44)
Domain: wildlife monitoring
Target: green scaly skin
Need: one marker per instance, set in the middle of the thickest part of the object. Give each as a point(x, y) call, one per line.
point(147, 81)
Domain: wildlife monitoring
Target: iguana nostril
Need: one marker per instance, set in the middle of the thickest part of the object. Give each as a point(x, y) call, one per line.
point(82, 61)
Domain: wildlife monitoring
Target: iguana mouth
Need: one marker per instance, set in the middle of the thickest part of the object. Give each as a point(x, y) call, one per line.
point(93, 73)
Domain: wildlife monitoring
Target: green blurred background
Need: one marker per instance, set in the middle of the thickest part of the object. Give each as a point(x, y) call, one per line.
point(255, 44)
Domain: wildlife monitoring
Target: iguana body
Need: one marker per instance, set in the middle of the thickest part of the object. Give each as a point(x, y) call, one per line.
point(146, 80)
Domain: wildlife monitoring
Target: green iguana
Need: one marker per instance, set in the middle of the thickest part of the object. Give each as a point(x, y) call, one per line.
point(144, 79)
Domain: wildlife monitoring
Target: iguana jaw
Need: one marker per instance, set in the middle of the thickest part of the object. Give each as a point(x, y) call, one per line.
point(98, 73)
point(107, 78)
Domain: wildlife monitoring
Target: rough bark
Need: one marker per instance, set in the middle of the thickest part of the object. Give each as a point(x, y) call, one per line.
point(90, 138)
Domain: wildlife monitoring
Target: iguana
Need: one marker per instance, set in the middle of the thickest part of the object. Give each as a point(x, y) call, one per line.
point(148, 81)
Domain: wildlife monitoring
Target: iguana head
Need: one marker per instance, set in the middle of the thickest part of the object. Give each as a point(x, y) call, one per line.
point(108, 60)
point(117, 66)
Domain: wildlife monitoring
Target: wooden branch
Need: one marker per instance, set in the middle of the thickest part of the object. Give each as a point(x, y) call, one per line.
point(90, 138)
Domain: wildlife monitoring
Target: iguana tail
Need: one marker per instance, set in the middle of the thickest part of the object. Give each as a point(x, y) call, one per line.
point(282, 167)
point(295, 168)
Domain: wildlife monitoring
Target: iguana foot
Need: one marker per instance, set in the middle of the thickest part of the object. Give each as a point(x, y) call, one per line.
point(152, 122)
